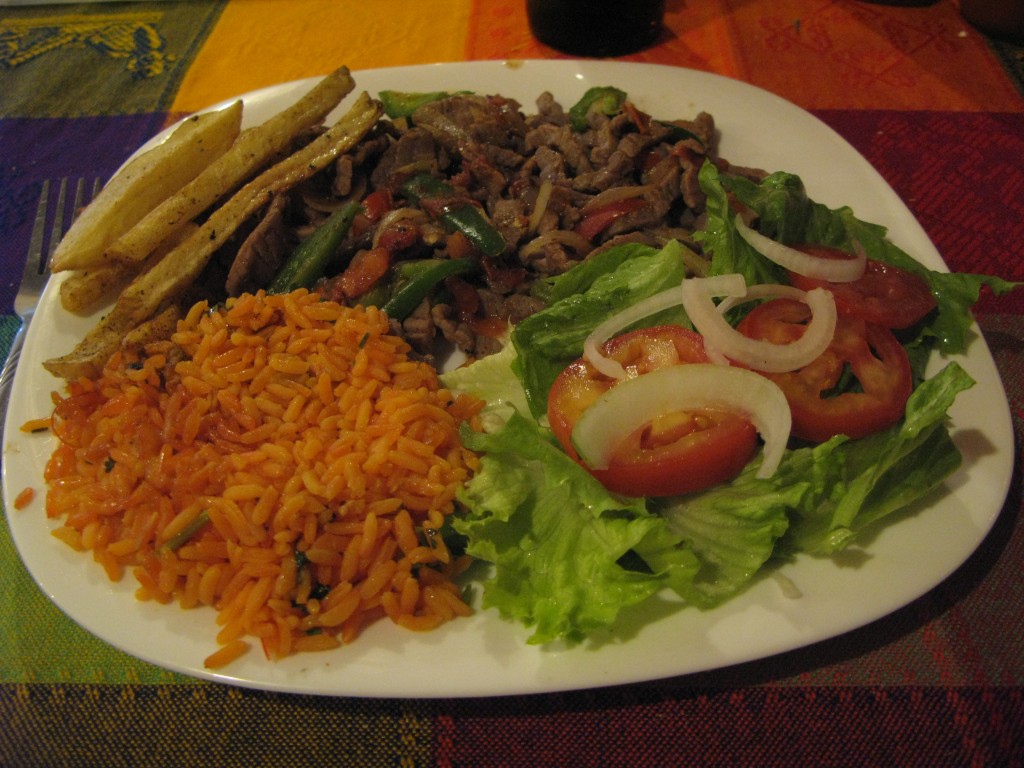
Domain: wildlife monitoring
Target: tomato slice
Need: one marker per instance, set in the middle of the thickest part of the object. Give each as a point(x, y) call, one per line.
point(678, 453)
point(885, 295)
point(867, 351)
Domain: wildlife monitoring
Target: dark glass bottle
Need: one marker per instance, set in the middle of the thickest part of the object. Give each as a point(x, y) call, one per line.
point(596, 27)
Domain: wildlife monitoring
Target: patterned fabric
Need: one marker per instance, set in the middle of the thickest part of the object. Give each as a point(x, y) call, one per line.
point(116, 59)
point(254, 44)
point(200, 726)
point(936, 107)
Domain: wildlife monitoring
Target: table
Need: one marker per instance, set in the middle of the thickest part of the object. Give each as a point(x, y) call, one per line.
point(936, 106)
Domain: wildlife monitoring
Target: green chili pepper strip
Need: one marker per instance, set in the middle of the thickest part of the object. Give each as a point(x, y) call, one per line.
point(469, 221)
point(604, 100)
point(185, 534)
point(678, 133)
point(308, 262)
point(465, 218)
point(424, 185)
point(420, 279)
point(403, 103)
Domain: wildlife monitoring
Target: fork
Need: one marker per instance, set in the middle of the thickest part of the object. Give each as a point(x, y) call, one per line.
point(37, 266)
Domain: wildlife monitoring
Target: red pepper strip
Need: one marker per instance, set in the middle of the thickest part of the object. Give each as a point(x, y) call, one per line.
point(377, 203)
point(364, 271)
point(597, 221)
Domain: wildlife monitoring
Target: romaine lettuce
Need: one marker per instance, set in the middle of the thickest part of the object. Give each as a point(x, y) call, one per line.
point(857, 482)
point(557, 538)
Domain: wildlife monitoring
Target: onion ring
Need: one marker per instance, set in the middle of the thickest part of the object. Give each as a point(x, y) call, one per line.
point(592, 353)
point(724, 344)
point(613, 195)
point(630, 405)
point(832, 270)
point(540, 206)
point(413, 215)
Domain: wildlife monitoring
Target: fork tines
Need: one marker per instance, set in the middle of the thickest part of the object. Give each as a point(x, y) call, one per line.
point(40, 248)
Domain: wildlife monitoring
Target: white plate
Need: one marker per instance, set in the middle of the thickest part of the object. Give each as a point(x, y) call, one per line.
point(485, 655)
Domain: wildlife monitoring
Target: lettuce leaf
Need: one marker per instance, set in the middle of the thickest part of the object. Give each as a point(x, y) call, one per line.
point(569, 556)
point(858, 482)
point(733, 530)
point(559, 541)
point(491, 379)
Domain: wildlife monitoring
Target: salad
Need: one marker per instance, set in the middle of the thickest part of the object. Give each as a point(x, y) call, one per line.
point(570, 553)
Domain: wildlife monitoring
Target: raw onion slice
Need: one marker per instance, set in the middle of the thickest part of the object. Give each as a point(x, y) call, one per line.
point(832, 270)
point(592, 353)
point(724, 343)
point(762, 291)
point(631, 404)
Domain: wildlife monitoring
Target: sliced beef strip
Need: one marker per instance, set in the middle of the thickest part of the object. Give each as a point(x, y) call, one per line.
point(351, 168)
point(262, 253)
point(510, 218)
point(500, 158)
point(550, 164)
point(419, 329)
point(617, 171)
point(460, 332)
point(565, 141)
point(549, 110)
point(464, 122)
point(456, 331)
point(484, 175)
point(642, 238)
point(754, 174)
point(515, 307)
point(553, 258)
point(415, 148)
point(703, 126)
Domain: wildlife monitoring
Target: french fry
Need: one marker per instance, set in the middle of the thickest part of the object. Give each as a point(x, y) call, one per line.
point(164, 283)
point(92, 352)
point(252, 151)
point(84, 290)
point(143, 183)
point(158, 327)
